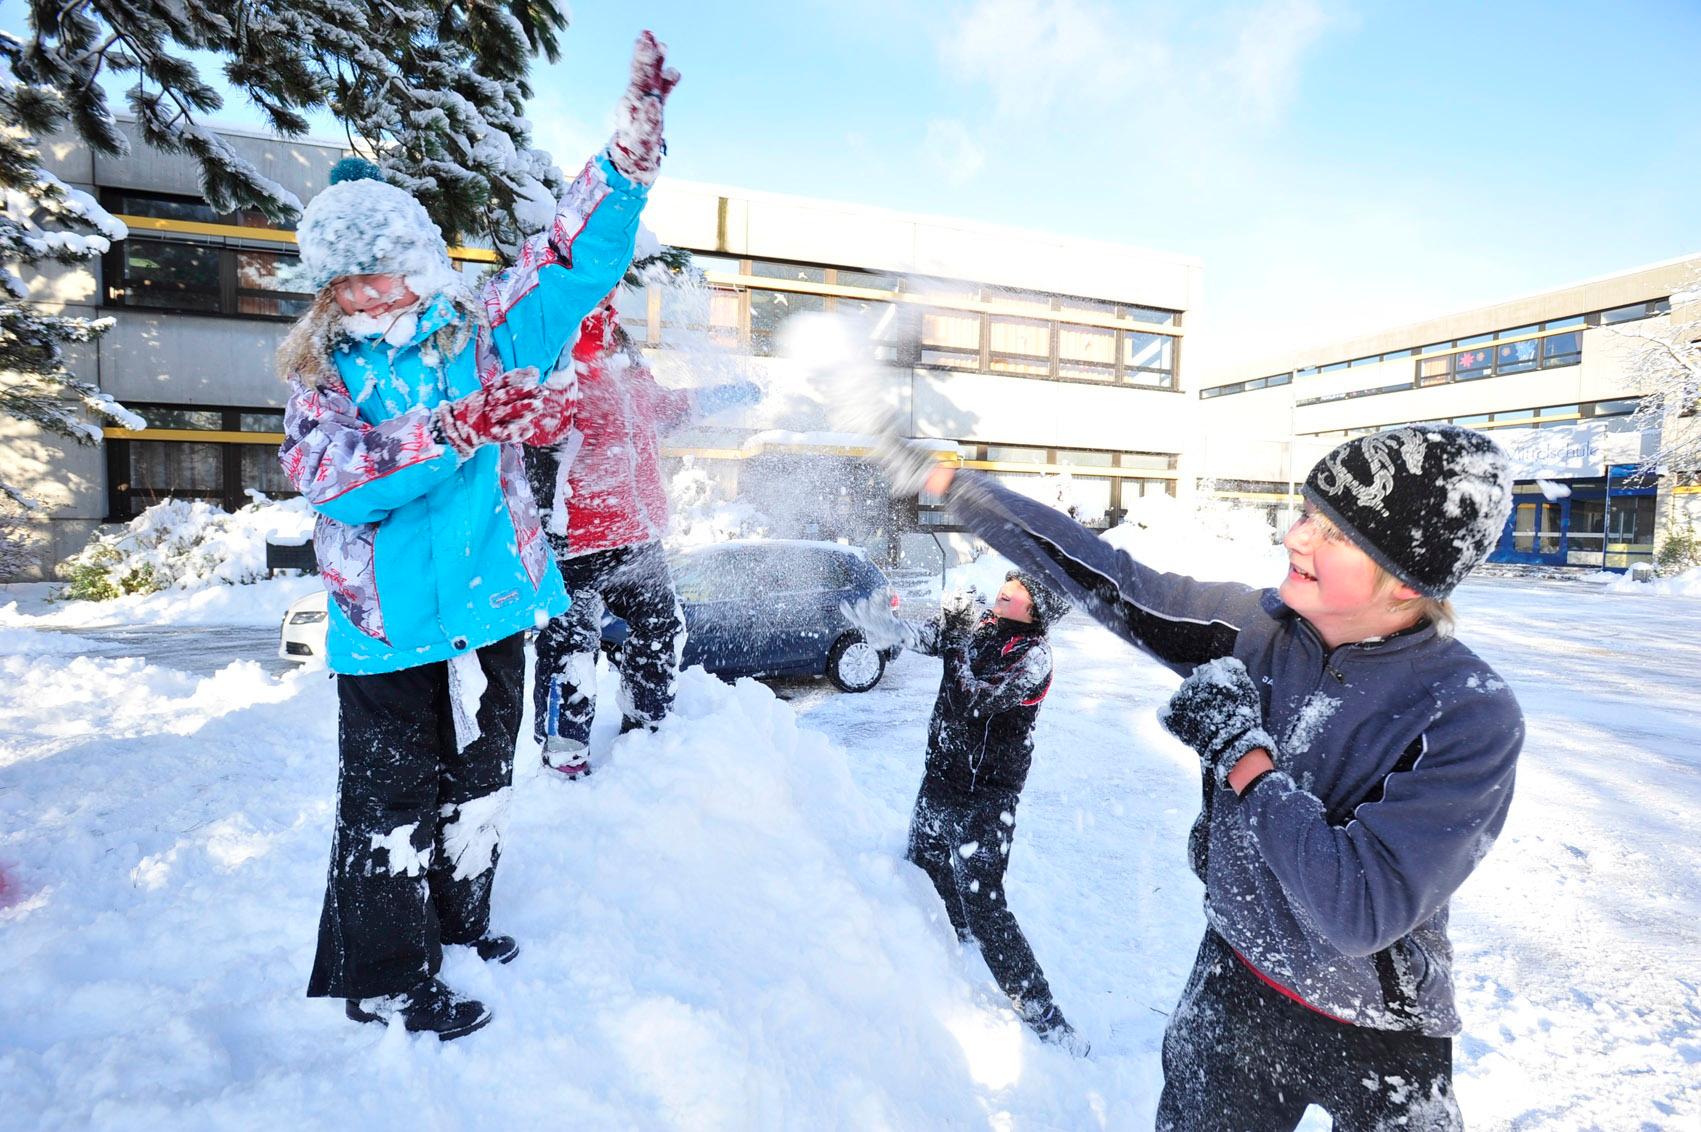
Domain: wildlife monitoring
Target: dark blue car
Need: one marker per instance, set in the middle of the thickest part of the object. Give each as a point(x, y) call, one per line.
point(770, 607)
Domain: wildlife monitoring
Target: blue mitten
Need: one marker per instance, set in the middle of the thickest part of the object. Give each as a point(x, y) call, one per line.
point(733, 395)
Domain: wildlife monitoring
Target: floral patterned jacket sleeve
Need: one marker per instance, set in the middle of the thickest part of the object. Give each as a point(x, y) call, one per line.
point(356, 472)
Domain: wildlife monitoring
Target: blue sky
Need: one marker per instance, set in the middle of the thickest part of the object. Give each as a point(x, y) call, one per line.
point(1338, 166)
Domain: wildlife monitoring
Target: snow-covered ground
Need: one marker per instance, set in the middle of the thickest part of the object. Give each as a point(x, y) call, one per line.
point(719, 933)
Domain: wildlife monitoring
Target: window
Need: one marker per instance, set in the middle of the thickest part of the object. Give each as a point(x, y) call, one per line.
point(1009, 299)
point(1562, 350)
point(1475, 340)
point(1562, 323)
point(1152, 315)
point(1630, 313)
point(1011, 454)
point(719, 264)
point(873, 280)
point(1089, 306)
point(1515, 357)
point(1086, 353)
point(1435, 370)
point(1468, 365)
point(770, 309)
point(1020, 345)
point(142, 472)
point(950, 339)
point(166, 274)
point(1148, 461)
point(798, 272)
point(1613, 408)
point(1395, 355)
point(1148, 359)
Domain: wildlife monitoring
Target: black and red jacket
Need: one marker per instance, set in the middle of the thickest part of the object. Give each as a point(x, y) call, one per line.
point(980, 739)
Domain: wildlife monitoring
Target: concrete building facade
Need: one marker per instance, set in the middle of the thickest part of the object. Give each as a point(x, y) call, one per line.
point(1550, 376)
point(1039, 355)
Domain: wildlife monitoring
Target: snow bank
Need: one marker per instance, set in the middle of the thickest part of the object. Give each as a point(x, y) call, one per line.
point(262, 603)
point(717, 932)
point(1686, 584)
point(186, 544)
point(1209, 541)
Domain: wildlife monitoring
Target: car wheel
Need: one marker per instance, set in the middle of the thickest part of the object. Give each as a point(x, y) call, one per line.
point(854, 665)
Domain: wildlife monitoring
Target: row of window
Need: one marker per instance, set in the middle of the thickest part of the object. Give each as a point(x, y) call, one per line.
point(910, 334)
point(1441, 362)
point(1616, 413)
point(179, 273)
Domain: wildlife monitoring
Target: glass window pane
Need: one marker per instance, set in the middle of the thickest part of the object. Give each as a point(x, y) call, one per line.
point(160, 469)
point(873, 280)
point(1150, 378)
point(1614, 408)
point(1475, 340)
point(1014, 454)
point(719, 264)
point(1515, 357)
point(952, 329)
point(1021, 336)
point(1153, 461)
point(201, 420)
point(769, 309)
point(950, 359)
point(1150, 314)
point(1086, 344)
point(1471, 364)
point(1333, 366)
point(1517, 331)
point(1394, 355)
point(1562, 349)
point(1434, 371)
point(261, 422)
point(1083, 371)
point(162, 208)
point(160, 273)
point(262, 471)
point(1148, 351)
point(1561, 323)
point(1558, 411)
point(1436, 346)
point(1624, 314)
point(1083, 458)
point(801, 272)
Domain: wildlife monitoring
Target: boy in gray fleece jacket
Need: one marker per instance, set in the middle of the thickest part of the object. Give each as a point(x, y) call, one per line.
point(1358, 763)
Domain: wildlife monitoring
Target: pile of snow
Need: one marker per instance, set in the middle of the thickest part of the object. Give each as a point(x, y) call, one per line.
point(718, 931)
point(1686, 584)
point(259, 604)
point(184, 544)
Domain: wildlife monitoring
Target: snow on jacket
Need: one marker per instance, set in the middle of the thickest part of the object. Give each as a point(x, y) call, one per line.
point(981, 735)
point(614, 491)
point(426, 555)
point(1333, 874)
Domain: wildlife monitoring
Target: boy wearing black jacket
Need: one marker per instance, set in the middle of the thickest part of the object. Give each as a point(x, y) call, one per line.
point(979, 747)
point(1358, 764)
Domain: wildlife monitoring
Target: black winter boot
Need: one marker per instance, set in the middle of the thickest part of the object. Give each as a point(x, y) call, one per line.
point(1054, 1029)
point(430, 1007)
point(496, 948)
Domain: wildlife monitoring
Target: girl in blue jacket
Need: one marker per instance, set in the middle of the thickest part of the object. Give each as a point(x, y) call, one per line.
point(410, 398)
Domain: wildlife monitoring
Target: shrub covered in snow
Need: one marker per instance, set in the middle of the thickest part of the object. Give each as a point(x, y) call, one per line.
point(1680, 552)
point(184, 544)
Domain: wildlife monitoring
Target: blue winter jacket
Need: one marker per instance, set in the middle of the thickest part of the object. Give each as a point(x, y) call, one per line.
point(1331, 875)
point(426, 555)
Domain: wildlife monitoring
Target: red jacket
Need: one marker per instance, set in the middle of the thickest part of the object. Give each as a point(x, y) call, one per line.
point(615, 494)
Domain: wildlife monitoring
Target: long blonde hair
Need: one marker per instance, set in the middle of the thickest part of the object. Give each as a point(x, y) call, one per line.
point(305, 352)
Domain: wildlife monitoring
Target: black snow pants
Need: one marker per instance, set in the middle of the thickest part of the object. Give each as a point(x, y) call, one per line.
point(634, 583)
point(963, 844)
point(1240, 1056)
point(416, 842)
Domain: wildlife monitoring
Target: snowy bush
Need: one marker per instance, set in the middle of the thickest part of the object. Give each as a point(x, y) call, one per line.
point(184, 544)
point(18, 555)
point(1681, 551)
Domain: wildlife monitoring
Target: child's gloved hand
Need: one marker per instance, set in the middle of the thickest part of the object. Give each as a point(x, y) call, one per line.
point(500, 413)
point(907, 464)
point(637, 147)
point(732, 395)
point(556, 407)
point(959, 611)
point(879, 626)
point(1217, 712)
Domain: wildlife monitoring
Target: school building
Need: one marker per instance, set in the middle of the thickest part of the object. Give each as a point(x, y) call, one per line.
point(1037, 355)
point(1548, 375)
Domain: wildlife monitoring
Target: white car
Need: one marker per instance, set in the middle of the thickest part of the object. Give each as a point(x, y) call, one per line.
point(301, 637)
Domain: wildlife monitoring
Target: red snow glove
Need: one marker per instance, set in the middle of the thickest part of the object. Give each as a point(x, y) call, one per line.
point(556, 405)
point(636, 148)
point(500, 413)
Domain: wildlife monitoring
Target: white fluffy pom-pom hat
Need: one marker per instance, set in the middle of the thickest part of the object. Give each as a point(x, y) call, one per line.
point(362, 226)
